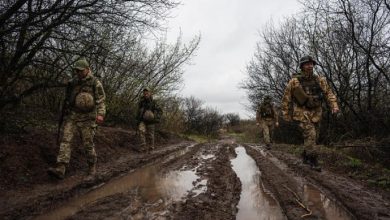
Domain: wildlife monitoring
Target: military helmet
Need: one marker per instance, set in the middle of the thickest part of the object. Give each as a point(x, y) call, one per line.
point(84, 102)
point(306, 59)
point(81, 64)
point(146, 89)
point(148, 116)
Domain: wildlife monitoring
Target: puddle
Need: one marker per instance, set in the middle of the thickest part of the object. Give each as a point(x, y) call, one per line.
point(152, 186)
point(255, 202)
point(321, 205)
point(176, 184)
point(317, 202)
point(206, 157)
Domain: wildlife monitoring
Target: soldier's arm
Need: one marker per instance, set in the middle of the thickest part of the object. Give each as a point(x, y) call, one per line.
point(157, 108)
point(139, 111)
point(328, 93)
point(100, 98)
point(287, 99)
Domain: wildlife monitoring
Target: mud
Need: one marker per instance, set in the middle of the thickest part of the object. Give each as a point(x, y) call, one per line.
point(17, 204)
point(363, 202)
point(220, 180)
point(256, 202)
point(146, 180)
point(220, 199)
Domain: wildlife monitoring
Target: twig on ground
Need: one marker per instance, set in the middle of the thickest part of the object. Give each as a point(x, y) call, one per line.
point(298, 200)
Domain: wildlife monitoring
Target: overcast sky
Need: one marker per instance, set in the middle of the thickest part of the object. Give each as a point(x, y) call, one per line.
point(229, 31)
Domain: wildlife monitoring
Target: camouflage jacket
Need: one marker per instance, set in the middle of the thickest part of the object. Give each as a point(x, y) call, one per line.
point(302, 113)
point(89, 84)
point(271, 113)
point(148, 104)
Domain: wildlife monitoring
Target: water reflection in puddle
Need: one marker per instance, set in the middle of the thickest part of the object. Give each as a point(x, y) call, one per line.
point(176, 184)
point(255, 202)
point(318, 203)
point(321, 205)
point(151, 184)
point(206, 157)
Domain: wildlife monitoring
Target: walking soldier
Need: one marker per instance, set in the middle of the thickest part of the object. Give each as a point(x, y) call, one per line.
point(84, 107)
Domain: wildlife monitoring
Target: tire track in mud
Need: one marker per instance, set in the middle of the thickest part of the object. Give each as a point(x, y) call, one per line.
point(296, 193)
point(23, 205)
point(202, 183)
point(220, 199)
point(366, 204)
point(214, 193)
point(147, 191)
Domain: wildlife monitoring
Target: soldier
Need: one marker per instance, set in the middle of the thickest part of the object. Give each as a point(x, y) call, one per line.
point(307, 92)
point(267, 118)
point(85, 108)
point(148, 115)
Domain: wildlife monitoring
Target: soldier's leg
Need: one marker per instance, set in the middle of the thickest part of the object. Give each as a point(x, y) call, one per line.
point(87, 131)
point(271, 126)
point(65, 146)
point(309, 134)
point(141, 134)
point(310, 137)
point(150, 129)
point(64, 152)
point(265, 129)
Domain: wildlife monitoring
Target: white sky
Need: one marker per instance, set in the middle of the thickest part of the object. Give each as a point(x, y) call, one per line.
point(229, 31)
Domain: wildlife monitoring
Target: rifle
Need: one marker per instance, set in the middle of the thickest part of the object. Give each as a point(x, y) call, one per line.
point(64, 112)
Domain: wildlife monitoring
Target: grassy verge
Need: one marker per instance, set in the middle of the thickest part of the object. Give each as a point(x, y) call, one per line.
point(348, 162)
point(198, 138)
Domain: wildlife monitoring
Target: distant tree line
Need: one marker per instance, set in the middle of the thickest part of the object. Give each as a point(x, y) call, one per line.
point(41, 39)
point(189, 115)
point(351, 42)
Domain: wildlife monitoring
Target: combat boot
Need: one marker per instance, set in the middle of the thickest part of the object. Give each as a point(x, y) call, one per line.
point(58, 171)
point(92, 169)
point(314, 163)
point(305, 159)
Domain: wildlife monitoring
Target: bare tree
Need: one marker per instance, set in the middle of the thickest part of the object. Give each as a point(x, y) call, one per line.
point(350, 39)
point(39, 38)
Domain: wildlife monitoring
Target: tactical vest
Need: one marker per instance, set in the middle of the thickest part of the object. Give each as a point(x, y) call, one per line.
point(147, 111)
point(81, 95)
point(266, 111)
point(311, 87)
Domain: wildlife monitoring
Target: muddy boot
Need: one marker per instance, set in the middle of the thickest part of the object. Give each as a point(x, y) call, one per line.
point(142, 148)
point(58, 171)
point(305, 158)
point(314, 163)
point(92, 169)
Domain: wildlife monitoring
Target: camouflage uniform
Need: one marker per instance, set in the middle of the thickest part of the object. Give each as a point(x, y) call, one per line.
point(266, 116)
point(308, 116)
point(80, 120)
point(146, 127)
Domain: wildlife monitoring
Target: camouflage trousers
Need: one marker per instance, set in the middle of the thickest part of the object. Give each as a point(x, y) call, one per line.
point(310, 135)
point(86, 130)
point(267, 127)
point(146, 134)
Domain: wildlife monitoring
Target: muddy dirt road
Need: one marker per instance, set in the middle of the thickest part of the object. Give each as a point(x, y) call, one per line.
point(223, 180)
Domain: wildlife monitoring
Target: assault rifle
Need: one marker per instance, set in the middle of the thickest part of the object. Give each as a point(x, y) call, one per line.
point(64, 112)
